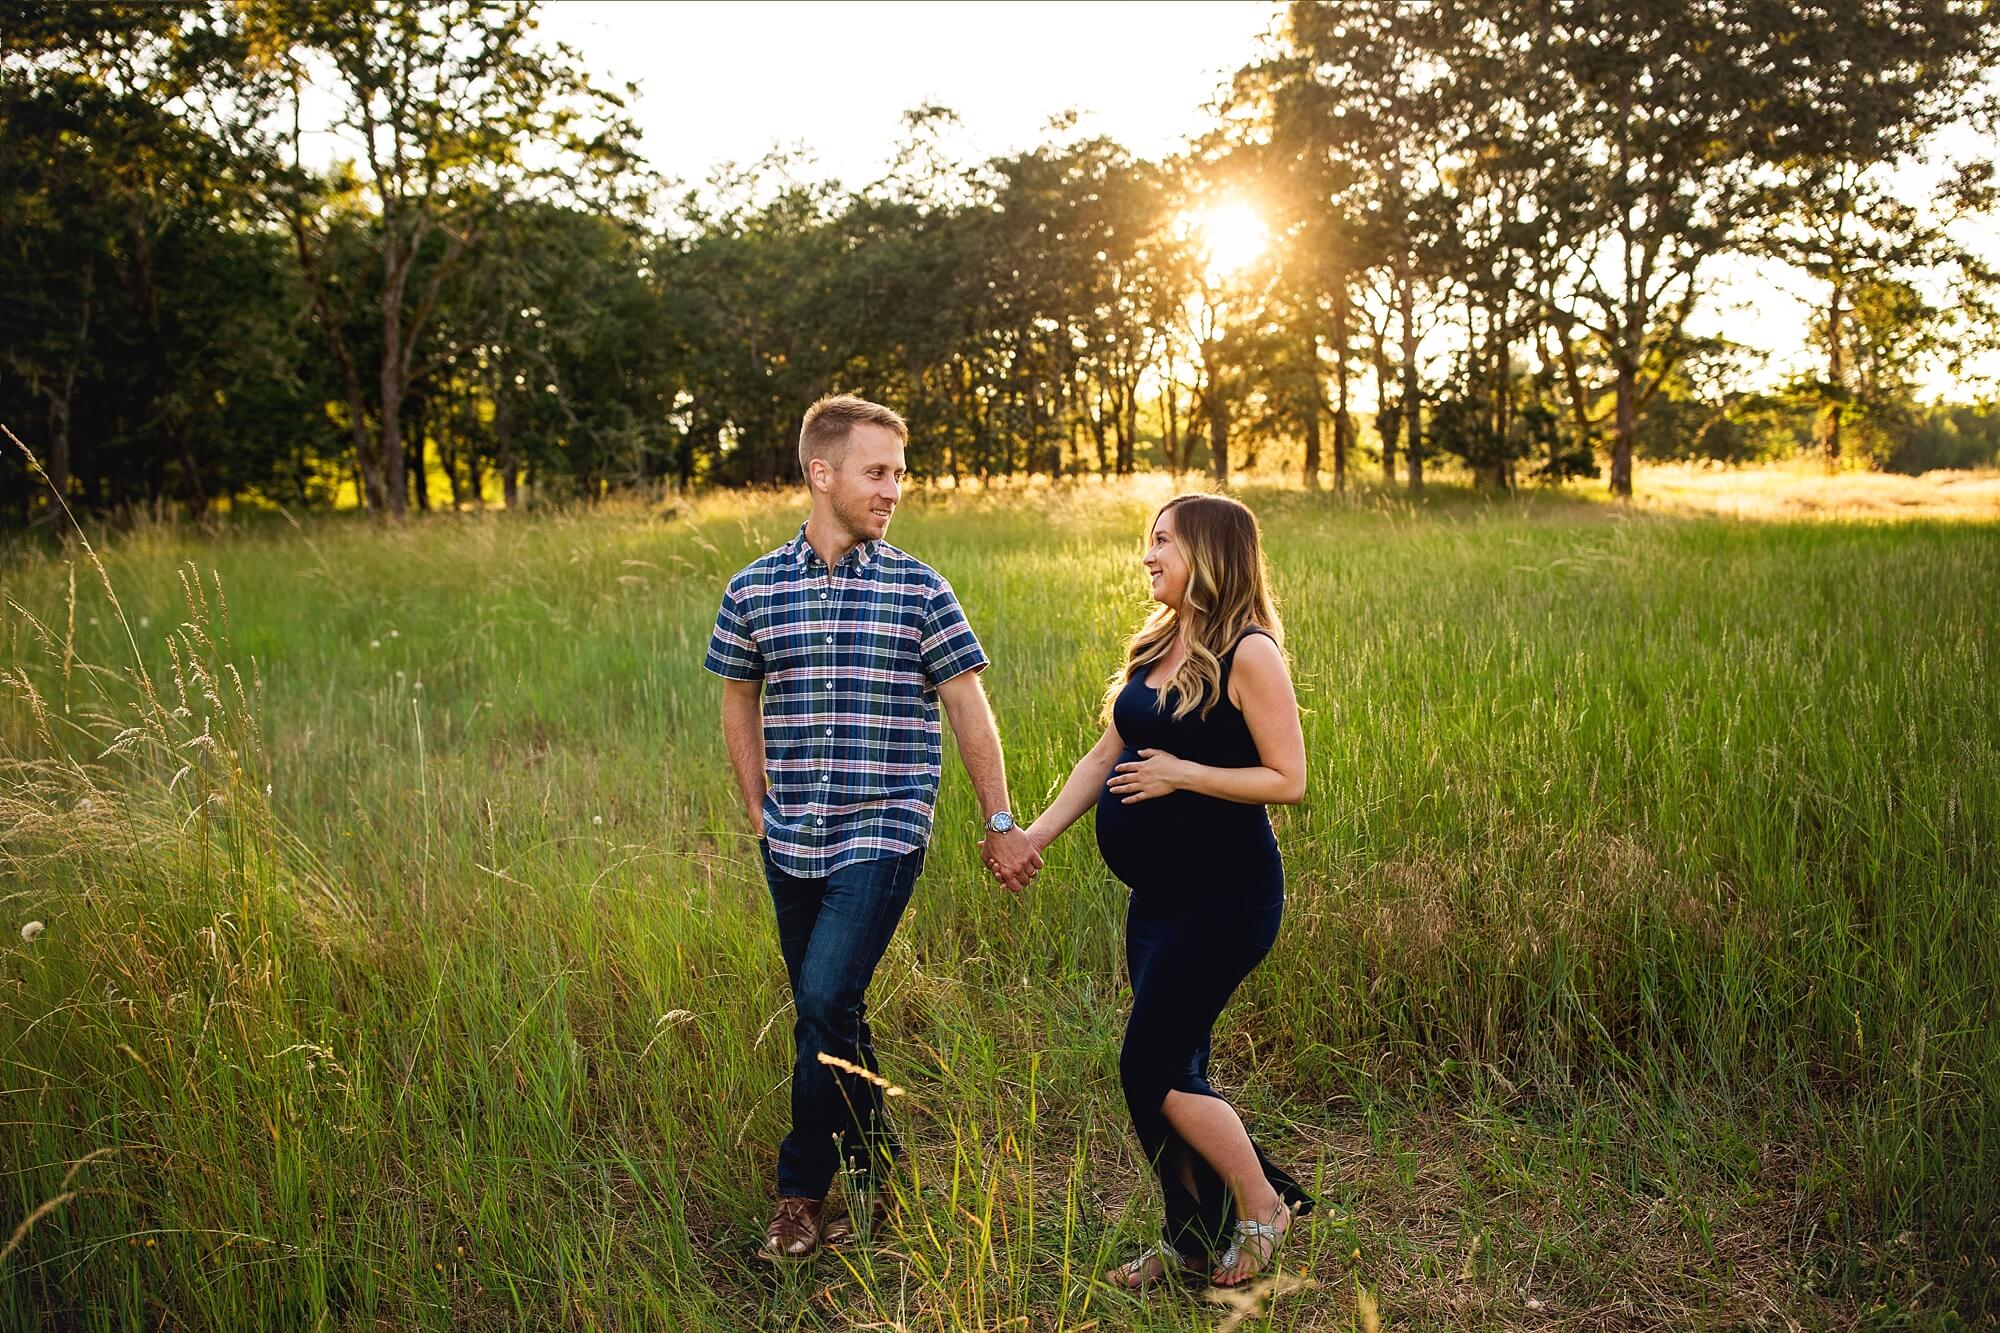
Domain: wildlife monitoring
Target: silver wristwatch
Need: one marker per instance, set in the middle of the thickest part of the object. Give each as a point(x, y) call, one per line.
point(1000, 822)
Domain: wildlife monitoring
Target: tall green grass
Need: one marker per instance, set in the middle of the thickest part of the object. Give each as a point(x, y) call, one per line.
point(406, 961)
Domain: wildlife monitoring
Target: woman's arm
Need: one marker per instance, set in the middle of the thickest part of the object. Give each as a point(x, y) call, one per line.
point(1262, 688)
point(1080, 792)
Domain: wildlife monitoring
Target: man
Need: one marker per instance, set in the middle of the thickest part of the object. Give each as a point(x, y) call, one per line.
point(834, 650)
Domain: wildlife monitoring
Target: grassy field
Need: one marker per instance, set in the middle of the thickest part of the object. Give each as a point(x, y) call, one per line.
point(406, 962)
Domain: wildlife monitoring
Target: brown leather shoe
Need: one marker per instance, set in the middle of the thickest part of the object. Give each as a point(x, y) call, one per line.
point(794, 1230)
point(874, 1220)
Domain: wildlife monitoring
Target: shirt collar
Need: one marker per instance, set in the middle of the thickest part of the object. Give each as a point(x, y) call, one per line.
point(802, 552)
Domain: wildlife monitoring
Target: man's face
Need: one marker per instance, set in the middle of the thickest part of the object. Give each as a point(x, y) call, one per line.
point(862, 492)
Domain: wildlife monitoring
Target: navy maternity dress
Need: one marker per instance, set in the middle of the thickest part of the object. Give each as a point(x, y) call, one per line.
point(1208, 890)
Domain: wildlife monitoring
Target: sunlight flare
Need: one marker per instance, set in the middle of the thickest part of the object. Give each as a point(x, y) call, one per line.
point(1232, 236)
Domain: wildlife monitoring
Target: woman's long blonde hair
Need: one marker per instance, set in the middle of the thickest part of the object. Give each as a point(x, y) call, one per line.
point(1227, 592)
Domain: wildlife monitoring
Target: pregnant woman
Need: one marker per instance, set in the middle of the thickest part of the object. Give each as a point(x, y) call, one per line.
point(1203, 733)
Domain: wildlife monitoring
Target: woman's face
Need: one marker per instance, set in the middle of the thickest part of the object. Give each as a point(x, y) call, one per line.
point(1166, 563)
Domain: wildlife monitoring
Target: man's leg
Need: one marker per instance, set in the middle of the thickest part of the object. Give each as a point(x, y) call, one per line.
point(794, 1232)
point(796, 905)
point(832, 1111)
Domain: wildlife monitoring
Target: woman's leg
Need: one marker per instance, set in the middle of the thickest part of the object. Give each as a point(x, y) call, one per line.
point(1151, 1041)
point(1211, 1127)
point(1185, 964)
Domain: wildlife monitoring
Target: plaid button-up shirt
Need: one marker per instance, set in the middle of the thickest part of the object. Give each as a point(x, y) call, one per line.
point(851, 658)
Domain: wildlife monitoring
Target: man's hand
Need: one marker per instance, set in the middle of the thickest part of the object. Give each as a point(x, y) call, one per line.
point(1012, 858)
point(743, 733)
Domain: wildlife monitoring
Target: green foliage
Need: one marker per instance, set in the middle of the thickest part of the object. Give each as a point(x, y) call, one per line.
point(489, 298)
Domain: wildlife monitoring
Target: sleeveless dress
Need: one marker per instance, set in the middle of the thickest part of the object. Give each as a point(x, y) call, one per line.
point(1185, 842)
point(1208, 892)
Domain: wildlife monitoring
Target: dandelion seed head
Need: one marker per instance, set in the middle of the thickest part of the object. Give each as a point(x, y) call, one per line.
point(31, 932)
point(597, 819)
point(395, 634)
point(145, 622)
point(374, 643)
point(418, 687)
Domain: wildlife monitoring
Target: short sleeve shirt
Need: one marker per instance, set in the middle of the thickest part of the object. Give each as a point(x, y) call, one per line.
point(850, 658)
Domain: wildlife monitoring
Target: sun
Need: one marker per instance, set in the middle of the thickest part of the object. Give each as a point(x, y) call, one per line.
point(1232, 235)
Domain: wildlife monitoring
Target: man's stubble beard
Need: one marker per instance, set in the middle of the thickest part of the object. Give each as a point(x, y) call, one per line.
point(857, 521)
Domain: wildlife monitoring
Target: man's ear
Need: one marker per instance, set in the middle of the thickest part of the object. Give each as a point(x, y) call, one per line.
point(819, 475)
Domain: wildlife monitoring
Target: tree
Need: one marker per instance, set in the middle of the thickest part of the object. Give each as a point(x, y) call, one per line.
point(142, 312)
point(1865, 93)
point(454, 110)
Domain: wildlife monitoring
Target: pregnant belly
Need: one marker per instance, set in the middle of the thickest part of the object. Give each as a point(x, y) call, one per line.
point(1182, 840)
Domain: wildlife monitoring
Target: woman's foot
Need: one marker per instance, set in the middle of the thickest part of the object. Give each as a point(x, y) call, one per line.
point(1254, 1249)
point(1149, 1268)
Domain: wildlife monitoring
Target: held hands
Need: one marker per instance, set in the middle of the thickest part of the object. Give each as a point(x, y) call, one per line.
point(1012, 857)
point(1154, 773)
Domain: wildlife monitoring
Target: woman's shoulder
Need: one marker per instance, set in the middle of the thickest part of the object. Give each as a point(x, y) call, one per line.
point(1254, 644)
point(1256, 659)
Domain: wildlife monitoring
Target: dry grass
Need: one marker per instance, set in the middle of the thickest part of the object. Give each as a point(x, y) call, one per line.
point(1810, 491)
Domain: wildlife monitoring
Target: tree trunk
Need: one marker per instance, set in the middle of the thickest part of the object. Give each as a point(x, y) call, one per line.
point(1218, 433)
point(503, 453)
point(1413, 401)
point(1312, 447)
point(57, 463)
point(1628, 429)
point(193, 494)
point(1312, 413)
point(420, 472)
point(389, 425)
point(1128, 429)
point(1388, 419)
point(1343, 423)
point(1826, 430)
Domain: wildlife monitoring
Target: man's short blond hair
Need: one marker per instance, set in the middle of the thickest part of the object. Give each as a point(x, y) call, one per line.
point(830, 422)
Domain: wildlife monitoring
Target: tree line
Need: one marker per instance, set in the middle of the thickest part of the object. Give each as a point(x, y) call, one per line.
point(1489, 230)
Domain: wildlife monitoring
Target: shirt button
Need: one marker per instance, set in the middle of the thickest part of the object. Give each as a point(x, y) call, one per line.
point(826, 777)
point(822, 819)
point(829, 638)
point(829, 685)
point(829, 731)
point(822, 597)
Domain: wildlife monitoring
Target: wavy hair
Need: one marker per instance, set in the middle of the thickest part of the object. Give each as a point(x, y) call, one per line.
point(1227, 592)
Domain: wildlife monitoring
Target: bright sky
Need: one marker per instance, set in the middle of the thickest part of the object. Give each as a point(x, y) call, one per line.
point(727, 82)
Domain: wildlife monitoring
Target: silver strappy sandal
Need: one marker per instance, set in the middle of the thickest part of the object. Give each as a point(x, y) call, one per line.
point(1172, 1268)
point(1269, 1235)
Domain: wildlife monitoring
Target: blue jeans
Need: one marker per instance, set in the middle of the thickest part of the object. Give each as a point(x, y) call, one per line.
point(833, 930)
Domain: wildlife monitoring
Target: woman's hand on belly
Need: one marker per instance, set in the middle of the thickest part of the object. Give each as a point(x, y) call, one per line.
point(1153, 774)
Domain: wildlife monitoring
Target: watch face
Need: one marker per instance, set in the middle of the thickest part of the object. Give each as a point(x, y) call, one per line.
point(1001, 822)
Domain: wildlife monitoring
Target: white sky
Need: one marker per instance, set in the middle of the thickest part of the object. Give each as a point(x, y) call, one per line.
point(727, 82)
